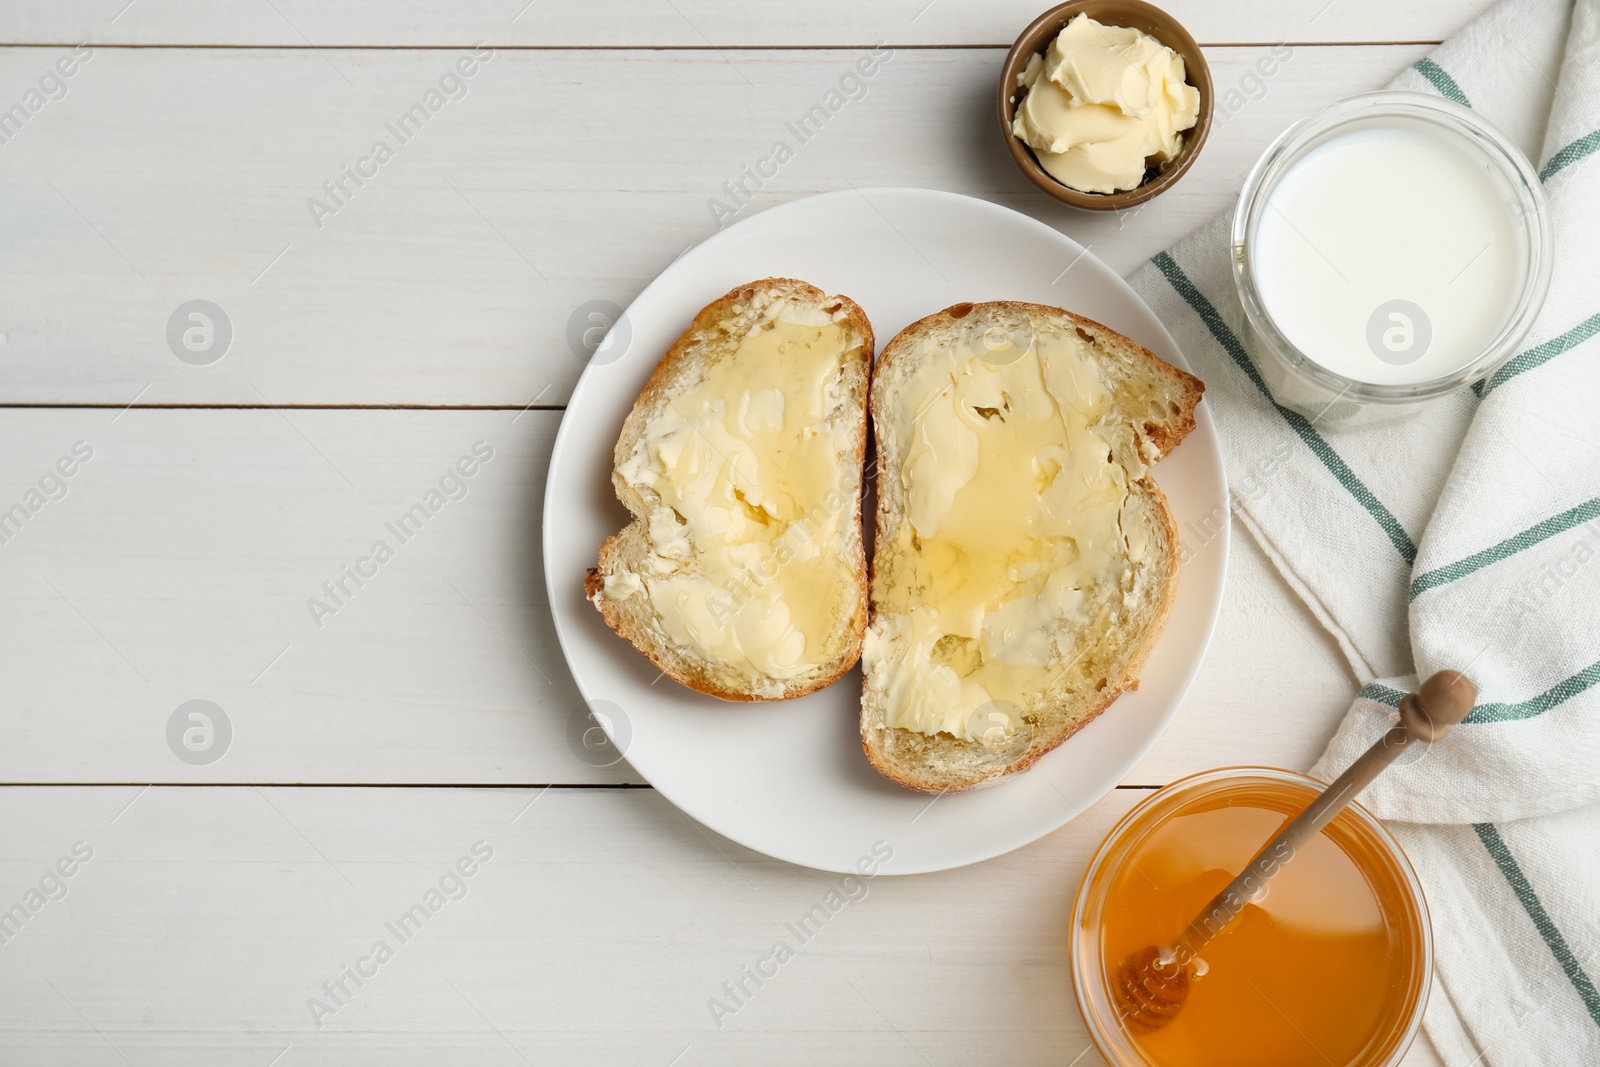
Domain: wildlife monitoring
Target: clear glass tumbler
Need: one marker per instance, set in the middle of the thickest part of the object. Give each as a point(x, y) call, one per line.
point(1396, 328)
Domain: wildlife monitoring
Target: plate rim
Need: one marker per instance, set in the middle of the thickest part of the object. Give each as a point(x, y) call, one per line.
point(1222, 542)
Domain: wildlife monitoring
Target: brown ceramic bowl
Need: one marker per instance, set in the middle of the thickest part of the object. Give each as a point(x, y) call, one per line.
point(1134, 14)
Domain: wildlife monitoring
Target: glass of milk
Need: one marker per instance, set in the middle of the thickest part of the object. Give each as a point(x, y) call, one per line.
point(1388, 249)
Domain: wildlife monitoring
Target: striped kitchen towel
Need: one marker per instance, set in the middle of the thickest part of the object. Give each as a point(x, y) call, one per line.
point(1468, 536)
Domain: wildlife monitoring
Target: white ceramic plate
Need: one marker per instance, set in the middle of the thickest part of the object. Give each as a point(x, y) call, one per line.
point(789, 778)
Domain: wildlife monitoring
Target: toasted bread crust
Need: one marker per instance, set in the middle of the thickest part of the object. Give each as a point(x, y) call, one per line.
point(680, 664)
point(1164, 435)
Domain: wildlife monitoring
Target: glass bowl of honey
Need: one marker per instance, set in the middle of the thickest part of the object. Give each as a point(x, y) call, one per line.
point(1329, 964)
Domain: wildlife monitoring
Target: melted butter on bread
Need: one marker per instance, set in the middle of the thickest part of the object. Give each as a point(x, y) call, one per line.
point(742, 471)
point(1017, 539)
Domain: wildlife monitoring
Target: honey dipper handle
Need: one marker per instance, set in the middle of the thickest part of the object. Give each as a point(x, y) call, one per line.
point(1442, 701)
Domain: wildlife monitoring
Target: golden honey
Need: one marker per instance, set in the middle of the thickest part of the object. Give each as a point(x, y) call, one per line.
point(1328, 966)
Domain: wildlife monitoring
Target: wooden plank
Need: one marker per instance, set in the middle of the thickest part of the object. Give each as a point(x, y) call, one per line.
point(596, 931)
point(684, 23)
point(179, 563)
point(454, 274)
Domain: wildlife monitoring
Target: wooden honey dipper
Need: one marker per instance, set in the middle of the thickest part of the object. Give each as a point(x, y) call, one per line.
point(1152, 985)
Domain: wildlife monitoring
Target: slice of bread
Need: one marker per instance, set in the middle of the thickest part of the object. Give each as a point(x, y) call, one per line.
point(743, 574)
point(1025, 561)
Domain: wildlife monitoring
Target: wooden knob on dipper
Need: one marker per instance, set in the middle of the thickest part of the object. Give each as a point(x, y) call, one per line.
point(1444, 700)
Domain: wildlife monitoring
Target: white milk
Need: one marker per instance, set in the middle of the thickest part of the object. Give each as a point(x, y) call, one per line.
point(1390, 255)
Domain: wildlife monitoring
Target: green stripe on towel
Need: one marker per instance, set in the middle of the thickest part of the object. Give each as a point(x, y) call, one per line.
point(1583, 147)
point(1382, 694)
point(1533, 535)
point(1533, 707)
point(1553, 697)
point(1496, 845)
point(1297, 422)
point(1441, 81)
point(1538, 355)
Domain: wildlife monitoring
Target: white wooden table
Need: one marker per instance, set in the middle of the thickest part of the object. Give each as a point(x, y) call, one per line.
point(430, 715)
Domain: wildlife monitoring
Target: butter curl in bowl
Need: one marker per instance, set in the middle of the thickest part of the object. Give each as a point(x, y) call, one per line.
point(1105, 103)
